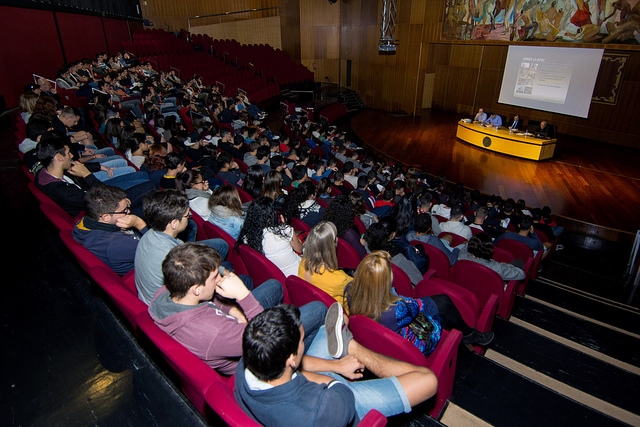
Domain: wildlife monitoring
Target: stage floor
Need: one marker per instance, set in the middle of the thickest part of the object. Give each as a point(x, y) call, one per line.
point(585, 181)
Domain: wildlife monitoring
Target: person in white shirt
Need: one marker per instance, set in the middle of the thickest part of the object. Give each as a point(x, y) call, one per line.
point(456, 224)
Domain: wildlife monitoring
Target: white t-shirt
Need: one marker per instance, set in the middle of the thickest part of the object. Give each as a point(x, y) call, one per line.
point(278, 250)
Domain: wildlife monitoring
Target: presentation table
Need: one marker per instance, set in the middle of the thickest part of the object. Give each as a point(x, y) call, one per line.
point(518, 143)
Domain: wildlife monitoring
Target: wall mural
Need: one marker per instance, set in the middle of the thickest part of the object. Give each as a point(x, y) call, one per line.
point(592, 21)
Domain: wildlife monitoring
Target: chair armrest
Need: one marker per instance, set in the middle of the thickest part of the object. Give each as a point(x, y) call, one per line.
point(443, 363)
point(373, 419)
point(431, 273)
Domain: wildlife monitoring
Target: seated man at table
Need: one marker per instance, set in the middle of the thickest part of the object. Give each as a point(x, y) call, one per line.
point(515, 123)
point(494, 120)
point(543, 130)
point(481, 116)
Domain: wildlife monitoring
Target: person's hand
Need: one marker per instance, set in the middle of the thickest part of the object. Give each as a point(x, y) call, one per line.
point(238, 314)
point(230, 286)
point(349, 367)
point(79, 169)
point(100, 156)
point(108, 170)
point(130, 221)
point(88, 152)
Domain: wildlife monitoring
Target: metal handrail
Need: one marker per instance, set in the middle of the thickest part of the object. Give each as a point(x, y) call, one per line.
point(262, 9)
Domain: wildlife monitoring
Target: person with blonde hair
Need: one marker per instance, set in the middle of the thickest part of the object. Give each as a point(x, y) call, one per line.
point(319, 264)
point(226, 209)
point(26, 104)
point(419, 320)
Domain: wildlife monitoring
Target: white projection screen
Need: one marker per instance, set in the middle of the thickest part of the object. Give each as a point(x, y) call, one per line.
point(555, 79)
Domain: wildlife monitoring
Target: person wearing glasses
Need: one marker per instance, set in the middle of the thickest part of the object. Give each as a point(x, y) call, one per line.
point(168, 214)
point(108, 229)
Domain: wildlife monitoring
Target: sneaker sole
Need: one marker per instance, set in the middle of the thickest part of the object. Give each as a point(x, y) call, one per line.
point(333, 324)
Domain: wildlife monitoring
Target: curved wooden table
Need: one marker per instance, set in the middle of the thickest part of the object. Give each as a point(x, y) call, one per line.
point(516, 144)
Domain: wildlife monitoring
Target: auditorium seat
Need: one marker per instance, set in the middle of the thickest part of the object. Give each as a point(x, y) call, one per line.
point(84, 256)
point(484, 282)
point(438, 261)
point(233, 256)
point(302, 292)
point(191, 374)
point(58, 217)
point(261, 269)
point(521, 251)
point(126, 301)
point(442, 361)
point(474, 314)
point(347, 255)
point(456, 238)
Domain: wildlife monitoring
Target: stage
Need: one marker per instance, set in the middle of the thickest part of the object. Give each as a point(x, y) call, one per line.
point(586, 181)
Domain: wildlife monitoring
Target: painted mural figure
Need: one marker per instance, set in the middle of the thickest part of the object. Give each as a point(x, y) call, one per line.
point(604, 21)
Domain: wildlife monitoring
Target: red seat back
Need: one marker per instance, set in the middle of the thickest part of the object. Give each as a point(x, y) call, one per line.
point(127, 302)
point(233, 256)
point(194, 376)
point(456, 238)
point(302, 292)
point(261, 269)
point(401, 282)
point(484, 282)
point(442, 361)
point(348, 257)
point(438, 261)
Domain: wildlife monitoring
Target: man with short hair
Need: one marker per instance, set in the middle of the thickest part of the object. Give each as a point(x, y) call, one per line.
point(109, 230)
point(277, 383)
point(456, 224)
point(494, 120)
point(426, 203)
point(481, 116)
point(350, 173)
point(263, 158)
point(423, 233)
point(526, 235)
point(65, 181)
point(206, 307)
point(167, 212)
point(249, 157)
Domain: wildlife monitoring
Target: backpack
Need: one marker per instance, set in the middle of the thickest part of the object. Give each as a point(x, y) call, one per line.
point(415, 254)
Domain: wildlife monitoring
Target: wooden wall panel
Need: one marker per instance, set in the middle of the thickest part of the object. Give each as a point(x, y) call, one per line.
point(290, 28)
point(265, 31)
point(172, 15)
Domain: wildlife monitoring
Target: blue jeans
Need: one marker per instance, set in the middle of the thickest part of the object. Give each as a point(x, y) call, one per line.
point(218, 244)
point(269, 293)
point(383, 394)
point(129, 180)
point(117, 171)
point(312, 318)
